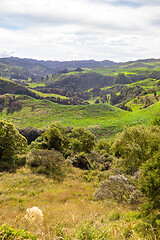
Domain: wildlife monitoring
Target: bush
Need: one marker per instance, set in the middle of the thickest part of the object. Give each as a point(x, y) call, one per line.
point(53, 138)
point(7, 232)
point(134, 146)
point(30, 133)
point(48, 162)
point(11, 142)
point(150, 181)
point(103, 144)
point(66, 140)
point(119, 189)
point(85, 137)
point(39, 144)
point(81, 161)
point(75, 145)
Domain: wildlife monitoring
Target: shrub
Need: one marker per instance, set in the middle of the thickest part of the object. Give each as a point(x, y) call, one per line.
point(119, 189)
point(65, 140)
point(39, 144)
point(48, 162)
point(30, 133)
point(81, 161)
point(150, 181)
point(7, 232)
point(85, 137)
point(53, 138)
point(134, 146)
point(103, 144)
point(75, 145)
point(11, 142)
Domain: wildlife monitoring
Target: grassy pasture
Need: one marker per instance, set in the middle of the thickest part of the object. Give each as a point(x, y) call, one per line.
point(116, 70)
point(146, 84)
point(34, 84)
point(101, 119)
point(44, 95)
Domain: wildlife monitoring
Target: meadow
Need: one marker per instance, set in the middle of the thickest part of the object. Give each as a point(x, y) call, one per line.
point(101, 119)
point(69, 208)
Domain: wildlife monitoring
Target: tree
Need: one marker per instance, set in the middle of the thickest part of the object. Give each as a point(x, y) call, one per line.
point(53, 138)
point(122, 79)
point(134, 146)
point(150, 181)
point(11, 142)
point(86, 138)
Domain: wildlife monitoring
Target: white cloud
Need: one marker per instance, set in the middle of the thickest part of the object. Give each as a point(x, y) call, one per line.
point(80, 29)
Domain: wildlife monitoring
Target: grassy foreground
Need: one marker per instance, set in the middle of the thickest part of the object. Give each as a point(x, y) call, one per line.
point(69, 208)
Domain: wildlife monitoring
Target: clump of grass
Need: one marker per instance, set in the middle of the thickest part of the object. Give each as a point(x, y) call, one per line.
point(88, 231)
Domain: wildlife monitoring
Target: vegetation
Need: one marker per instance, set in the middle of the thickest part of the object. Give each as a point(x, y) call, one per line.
point(134, 146)
point(50, 163)
point(97, 165)
point(150, 182)
point(7, 232)
point(11, 144)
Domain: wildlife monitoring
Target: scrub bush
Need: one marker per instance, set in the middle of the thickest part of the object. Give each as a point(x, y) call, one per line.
point(48, 162)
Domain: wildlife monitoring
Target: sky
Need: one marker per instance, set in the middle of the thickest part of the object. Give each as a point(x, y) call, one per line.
point(64, 30)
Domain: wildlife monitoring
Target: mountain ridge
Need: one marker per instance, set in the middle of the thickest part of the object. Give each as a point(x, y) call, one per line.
point(54, 66)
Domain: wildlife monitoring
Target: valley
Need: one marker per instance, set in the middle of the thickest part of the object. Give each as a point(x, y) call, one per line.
point(79, 149)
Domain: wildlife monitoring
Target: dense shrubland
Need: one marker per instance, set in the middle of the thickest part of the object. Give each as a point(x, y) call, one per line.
point(129, 163)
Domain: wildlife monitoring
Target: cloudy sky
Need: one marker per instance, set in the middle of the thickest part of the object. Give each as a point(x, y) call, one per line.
point(118, 30)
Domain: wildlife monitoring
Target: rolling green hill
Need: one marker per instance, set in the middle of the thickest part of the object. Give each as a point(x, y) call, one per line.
point(8, 86)
point(50, 180)
point(102, 119)
point(130, 86)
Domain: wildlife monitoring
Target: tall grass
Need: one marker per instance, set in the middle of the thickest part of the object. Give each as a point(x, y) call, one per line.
point(69, 208)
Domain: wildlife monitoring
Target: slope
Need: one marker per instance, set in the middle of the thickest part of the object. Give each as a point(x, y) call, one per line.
point(102, 119)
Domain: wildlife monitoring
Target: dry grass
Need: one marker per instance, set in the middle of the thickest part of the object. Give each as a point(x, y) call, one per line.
point(65, 206)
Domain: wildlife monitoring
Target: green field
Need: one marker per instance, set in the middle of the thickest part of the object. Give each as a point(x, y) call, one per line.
point(102, 119)
point(146, 84)
point(45, 95)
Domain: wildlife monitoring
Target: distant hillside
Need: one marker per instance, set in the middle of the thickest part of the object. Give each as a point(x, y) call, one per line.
point(56, 65)
point(7, 86)
point(50, 67)
point(141, 63)
point(83, 81)
point(29, 65)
